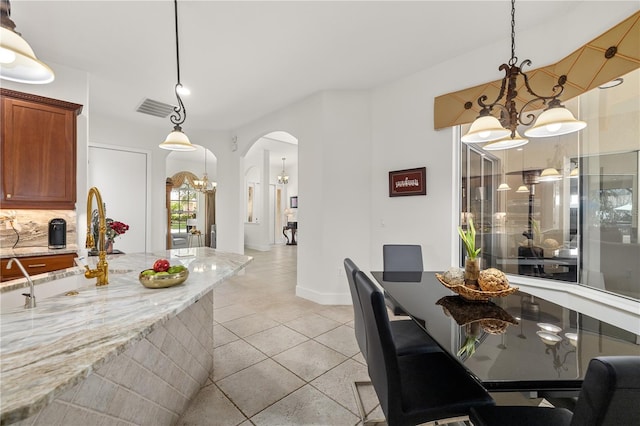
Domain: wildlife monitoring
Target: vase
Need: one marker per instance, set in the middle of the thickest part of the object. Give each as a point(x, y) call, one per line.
point(471, 272)
point(108, 246)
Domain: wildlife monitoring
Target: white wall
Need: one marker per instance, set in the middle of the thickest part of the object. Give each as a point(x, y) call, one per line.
point(333, 132)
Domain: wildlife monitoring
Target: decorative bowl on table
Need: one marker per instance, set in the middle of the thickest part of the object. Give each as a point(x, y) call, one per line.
point(162, 279)
point(468, 293)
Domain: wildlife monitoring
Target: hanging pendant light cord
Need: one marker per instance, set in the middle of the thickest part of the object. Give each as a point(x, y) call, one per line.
point(514, 59)
point(179, 112)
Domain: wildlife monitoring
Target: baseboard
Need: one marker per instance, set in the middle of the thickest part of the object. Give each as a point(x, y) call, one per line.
point(324, 298)
point(259, 247)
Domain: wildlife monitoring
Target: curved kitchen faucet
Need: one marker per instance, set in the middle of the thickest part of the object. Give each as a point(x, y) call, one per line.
point(30, 299)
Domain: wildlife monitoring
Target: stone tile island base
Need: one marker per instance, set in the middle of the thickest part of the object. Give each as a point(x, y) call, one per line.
point(150, 383)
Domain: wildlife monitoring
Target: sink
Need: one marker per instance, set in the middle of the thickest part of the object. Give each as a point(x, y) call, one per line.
point(14, 298)
point(9, 300)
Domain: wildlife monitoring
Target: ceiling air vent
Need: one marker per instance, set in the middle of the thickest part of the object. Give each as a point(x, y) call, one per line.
point(155, 108)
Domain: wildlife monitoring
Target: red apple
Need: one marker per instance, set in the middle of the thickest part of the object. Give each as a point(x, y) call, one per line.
point(161, 265)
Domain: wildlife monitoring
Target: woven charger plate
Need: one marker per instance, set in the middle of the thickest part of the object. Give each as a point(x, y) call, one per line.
point(471, 294)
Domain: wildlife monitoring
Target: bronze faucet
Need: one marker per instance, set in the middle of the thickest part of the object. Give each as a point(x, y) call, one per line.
point(102, 269)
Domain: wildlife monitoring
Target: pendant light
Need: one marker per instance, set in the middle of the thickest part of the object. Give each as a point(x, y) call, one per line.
point(504, 186)
point(203, 185)
point(523, 188)
point(553, 121)
point(17, 61)
point(177, 140)
point(283, 178)
point(550, 174)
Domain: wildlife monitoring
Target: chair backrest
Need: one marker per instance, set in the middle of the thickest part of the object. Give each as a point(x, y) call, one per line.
point(610, 393)
point(382, 360)
point(358, 318)
point(402, 257)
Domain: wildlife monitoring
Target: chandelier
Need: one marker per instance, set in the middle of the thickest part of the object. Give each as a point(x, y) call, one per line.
point(555, 120)
point(204, 185)
point(177, 140)
point(283, 178)
point(17, 60)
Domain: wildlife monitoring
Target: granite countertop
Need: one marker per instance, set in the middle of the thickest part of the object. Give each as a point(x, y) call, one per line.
point(46, 350)
point(7, 252)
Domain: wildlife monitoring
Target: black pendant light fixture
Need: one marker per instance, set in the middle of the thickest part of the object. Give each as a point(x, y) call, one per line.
point(17, 61)
point(177, 140)
point(501, 132)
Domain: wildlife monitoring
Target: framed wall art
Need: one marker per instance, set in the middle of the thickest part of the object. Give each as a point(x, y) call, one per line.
point(408, 182)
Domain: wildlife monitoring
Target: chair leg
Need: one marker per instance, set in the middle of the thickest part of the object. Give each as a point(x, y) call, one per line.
point(363, 415)
point(460, 419)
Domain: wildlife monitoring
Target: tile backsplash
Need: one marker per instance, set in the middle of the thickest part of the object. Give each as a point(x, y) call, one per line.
point(33, 227)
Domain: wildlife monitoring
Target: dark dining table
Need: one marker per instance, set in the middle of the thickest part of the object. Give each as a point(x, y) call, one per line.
point(520, 342)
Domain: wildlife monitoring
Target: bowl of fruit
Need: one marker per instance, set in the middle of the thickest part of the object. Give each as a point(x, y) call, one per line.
point(163, 275)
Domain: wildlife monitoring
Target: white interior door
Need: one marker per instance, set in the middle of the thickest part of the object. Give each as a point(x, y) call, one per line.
point(121, 177)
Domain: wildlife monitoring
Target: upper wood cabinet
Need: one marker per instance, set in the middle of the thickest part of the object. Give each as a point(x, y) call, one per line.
point(37, 151)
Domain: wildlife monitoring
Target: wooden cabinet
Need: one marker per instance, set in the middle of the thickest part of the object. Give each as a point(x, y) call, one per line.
point(36, 265)
point(37, 152)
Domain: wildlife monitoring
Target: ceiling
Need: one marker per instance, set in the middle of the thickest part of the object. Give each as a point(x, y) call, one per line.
point(244, 59)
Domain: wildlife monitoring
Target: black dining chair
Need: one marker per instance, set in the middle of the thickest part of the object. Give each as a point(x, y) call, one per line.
point(610, 396)
point(401, 258)
point(417, 388)
point(408, 337)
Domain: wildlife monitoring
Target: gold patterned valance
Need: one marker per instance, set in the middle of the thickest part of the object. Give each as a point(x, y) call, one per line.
point(614, 53)
point(179, 178)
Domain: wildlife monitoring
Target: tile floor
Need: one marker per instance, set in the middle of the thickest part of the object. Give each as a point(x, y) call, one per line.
point(280, 359)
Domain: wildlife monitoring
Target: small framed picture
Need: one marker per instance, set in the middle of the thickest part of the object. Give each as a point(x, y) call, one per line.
point(408, 182)
point(294, 202)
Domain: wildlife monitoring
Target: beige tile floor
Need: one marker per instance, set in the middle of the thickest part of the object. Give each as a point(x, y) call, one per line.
point(280, 359)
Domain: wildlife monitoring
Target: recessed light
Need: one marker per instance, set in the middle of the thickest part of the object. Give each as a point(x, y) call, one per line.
point(613, 83)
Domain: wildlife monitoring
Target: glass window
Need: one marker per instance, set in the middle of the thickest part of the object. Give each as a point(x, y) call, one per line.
point(184, 206)
point(579, 224)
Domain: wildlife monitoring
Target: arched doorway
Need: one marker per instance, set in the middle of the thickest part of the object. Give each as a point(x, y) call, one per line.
point(267, 194)
point(190, 198)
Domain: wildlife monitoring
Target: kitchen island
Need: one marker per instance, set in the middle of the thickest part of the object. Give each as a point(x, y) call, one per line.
point(112, 354)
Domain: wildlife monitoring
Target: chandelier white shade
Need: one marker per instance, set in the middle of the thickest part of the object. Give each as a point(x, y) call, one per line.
point(485, 129)
point(522, 188)
point(18, 62)
point(549, 175)
point(555, 122)
point(504, 187)
point(507, 142)
point(177, 141)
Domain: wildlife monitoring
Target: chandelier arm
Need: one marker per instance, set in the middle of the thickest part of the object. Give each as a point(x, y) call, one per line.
point(503, 86)
point(557, 89)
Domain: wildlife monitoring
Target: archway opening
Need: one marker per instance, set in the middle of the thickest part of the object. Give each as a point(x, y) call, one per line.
point(190, 198)
point(271, 191)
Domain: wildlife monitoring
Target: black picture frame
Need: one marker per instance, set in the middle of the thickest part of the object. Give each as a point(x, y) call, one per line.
point(293, 201)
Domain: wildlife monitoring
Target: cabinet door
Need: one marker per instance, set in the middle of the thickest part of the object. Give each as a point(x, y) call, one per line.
point(38, 155)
